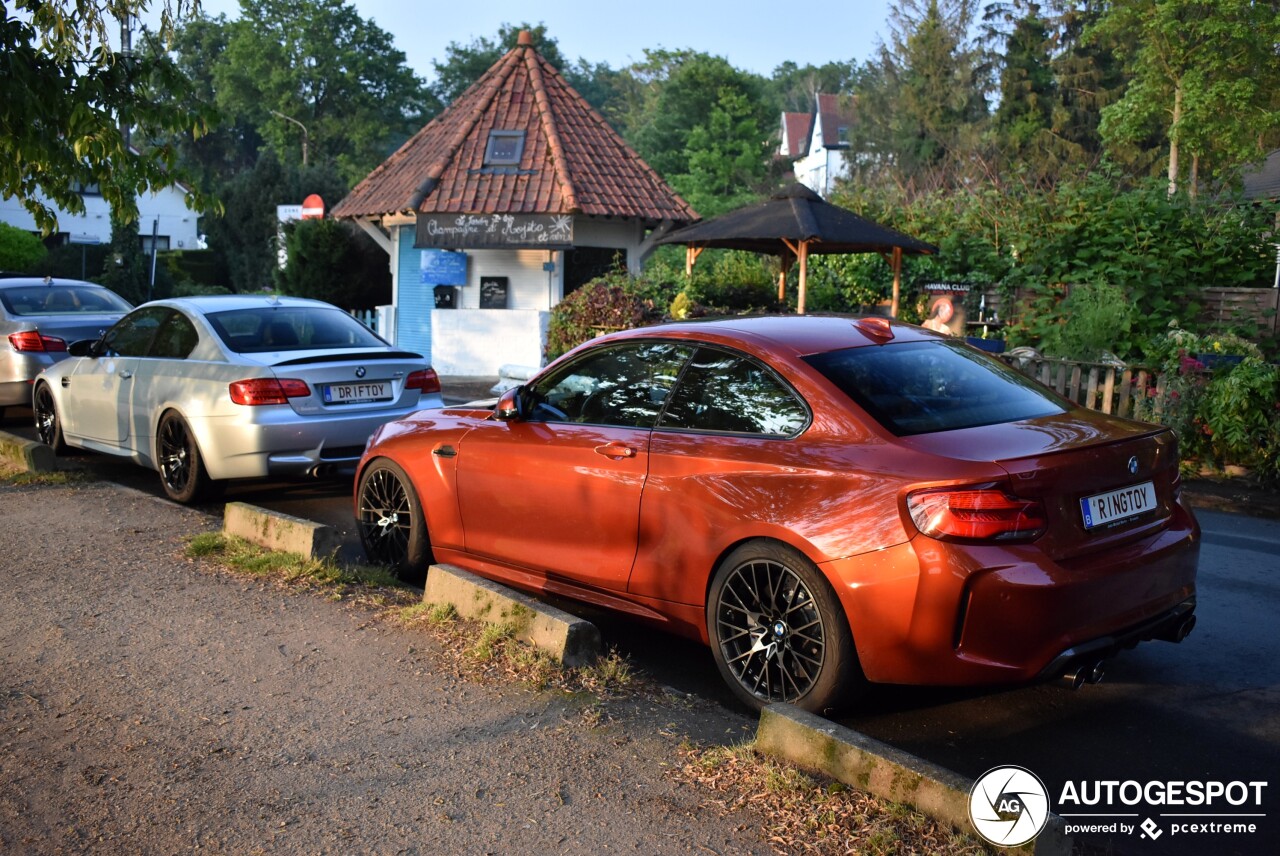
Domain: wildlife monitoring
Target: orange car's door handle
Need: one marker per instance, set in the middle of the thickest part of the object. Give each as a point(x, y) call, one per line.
point(615, 451)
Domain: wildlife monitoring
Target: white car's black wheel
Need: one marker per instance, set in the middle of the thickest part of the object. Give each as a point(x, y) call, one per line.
point(393, 528)
point(182, 472)
point(778, 633)
point(48, 428)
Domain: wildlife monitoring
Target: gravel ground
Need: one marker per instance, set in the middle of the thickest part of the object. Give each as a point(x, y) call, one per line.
point(151, 704)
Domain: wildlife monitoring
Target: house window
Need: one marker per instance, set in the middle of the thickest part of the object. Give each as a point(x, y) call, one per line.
point(504, 149)
point(86, 189)
point(161, 243)
point(842, 133)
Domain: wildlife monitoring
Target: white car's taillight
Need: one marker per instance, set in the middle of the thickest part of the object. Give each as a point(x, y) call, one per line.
point(268, 390)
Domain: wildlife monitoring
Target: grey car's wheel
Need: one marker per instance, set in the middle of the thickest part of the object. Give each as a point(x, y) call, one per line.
point(778, 633)
point(393, 528)
point(48, 428)
point(182, 472)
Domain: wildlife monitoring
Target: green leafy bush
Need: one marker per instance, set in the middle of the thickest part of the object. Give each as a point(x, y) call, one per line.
point(1094, 320)
point(1224, 415)
point(611, 302)
point(20, 250)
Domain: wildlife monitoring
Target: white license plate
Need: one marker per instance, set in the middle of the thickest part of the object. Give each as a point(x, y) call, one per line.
point(1122, 504)
point(355, 393)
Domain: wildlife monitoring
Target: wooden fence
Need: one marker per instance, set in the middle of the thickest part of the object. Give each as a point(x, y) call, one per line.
point(1225, 308)
point(1253, 310)
point(1111, 389)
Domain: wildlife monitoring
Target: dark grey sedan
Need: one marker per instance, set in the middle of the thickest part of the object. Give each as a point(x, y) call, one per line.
point(39, 317)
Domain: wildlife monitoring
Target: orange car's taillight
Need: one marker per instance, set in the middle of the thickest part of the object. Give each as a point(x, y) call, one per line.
point(425, 380)
point(33, 340)
point(982, 514)
point(268, 390)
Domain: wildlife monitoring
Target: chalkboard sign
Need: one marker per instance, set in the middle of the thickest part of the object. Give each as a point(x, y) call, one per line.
point(442, 267)
point(479, 231)
point(493, 292)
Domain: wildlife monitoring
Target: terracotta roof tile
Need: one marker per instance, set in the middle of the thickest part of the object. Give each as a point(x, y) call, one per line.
point(573, 161)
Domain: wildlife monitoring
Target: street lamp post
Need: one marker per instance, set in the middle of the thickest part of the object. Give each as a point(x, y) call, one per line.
point(300, 125)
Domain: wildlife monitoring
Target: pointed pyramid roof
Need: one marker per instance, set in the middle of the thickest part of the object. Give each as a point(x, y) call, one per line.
point(573, 162)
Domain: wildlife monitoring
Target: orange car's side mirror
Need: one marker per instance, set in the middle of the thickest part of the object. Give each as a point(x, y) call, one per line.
point(508, 407)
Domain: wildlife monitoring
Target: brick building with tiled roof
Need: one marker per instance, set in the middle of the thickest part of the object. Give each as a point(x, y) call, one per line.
point(510, 199)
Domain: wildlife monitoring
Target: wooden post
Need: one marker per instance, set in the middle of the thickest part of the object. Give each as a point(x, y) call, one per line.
point(897, 281)
point(804, 269)
point(787, 261)
point(691, 254)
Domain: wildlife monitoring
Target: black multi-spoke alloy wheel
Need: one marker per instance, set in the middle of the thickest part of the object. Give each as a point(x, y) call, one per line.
point(182, 472)
point(777, 632)
point(393, 528)
point(48, 428)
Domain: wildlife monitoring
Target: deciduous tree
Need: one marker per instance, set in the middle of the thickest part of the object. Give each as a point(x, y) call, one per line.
point(1204, 73)
point(66, 95)
point(314, 76)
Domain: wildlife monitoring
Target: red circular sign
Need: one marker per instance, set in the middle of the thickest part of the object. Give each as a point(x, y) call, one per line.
point(313, 207)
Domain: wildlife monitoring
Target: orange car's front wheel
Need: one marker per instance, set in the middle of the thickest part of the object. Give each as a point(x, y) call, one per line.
point(393, 528)
point(777, 631)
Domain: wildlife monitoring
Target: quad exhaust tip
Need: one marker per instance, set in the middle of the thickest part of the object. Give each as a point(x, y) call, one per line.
point(1085, 673)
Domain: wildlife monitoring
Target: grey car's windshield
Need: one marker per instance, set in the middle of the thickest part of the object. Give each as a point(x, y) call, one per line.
point(262, 329)
point(22, 300)
point(922, 387)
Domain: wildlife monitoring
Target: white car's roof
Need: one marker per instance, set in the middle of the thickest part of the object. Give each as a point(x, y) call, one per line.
point(204, 303)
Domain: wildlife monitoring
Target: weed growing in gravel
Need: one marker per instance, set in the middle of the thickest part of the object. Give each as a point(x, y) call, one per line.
point(435, 614)
point(608, 675)
point(494, 639)
point(806, 814)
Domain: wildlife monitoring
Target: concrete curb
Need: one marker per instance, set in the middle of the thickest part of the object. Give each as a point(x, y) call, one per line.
point(569, 639)
point(809, 741)
point(35, 457)
point(283, 532)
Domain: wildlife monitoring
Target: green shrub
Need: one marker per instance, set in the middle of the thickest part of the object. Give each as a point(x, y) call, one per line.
point(20, 251)
point(1093, 320)
point(611, 302)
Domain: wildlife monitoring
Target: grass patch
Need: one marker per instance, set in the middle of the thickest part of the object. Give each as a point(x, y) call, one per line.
point(373, 584)
point(807, 814)
point(61, 478)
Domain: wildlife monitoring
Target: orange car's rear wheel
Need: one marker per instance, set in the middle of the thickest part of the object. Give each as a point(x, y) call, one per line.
point(393, 528)
point(777, 632)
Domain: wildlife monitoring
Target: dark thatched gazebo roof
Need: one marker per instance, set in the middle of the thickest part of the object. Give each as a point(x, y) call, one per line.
point(794, 223)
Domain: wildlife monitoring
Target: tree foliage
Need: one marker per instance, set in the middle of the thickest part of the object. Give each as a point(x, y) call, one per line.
point(315, 75)
point(331, 261)
point(1204, 77)
point(65, 95)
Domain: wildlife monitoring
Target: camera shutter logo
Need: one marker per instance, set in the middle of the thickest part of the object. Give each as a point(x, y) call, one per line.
point(1008, 806)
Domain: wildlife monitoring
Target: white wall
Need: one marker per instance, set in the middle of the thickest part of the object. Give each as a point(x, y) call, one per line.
point(176, 221)
point(477, 342)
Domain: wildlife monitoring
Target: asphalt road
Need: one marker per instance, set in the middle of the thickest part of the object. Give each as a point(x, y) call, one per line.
point(1207, 709)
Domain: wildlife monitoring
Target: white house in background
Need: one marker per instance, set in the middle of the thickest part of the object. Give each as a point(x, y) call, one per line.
point(163, 213)
point(817, 143)
point(506, 202)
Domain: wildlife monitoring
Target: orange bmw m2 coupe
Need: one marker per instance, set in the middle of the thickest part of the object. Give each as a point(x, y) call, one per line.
point(826, 502)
